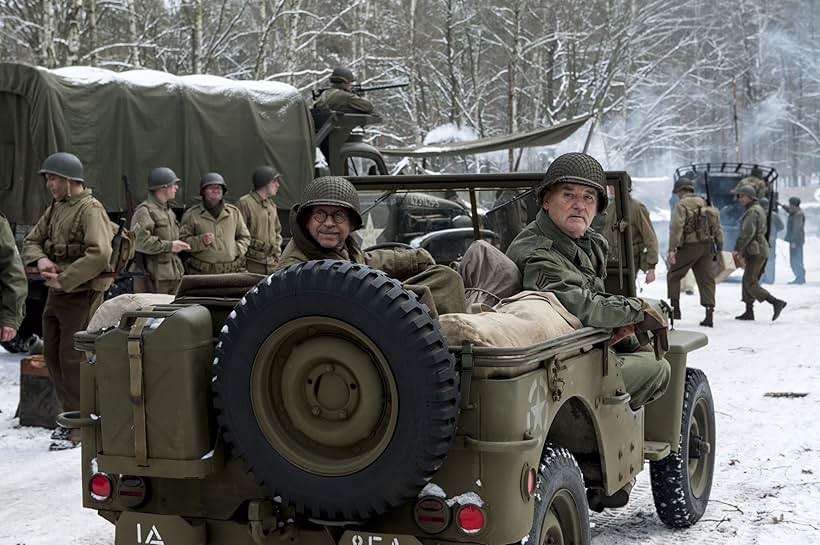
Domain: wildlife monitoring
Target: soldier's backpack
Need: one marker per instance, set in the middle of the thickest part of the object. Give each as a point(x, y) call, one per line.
point(123, 241)
point(704, 223)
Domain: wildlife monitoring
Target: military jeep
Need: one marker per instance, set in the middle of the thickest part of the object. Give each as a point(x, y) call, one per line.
point(322, 405)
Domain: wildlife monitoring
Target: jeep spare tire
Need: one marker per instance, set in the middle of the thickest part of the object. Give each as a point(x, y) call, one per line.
point(337, 390)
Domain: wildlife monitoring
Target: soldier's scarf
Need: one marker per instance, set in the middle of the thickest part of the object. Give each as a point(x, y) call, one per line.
point(585, 243)
point(216, 210)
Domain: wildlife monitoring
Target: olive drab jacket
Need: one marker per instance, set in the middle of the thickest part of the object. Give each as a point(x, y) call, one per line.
point(398, 263)
point(549, 260)
point(75, 233)
point(155, 227)
point(13, 283)
point(751, 237)
point(262, 219)
point(694, 221)
point(796, 226)
point(755, 183)
point(231, 239)
point(337, 98)
point(644, 240)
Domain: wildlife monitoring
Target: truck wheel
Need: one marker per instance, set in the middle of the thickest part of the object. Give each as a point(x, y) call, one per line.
point(336, 389)
point(561, 512)
point(682, 481)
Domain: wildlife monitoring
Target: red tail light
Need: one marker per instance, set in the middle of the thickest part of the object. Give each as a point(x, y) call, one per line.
point(100, 487)
point(470, 519)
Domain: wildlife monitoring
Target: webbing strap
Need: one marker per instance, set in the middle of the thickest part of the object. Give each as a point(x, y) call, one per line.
point(136, 390)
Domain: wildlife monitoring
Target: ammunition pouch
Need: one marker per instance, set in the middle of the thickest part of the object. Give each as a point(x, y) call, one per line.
point(63, 252)
point(197, 266)
point(260, 250)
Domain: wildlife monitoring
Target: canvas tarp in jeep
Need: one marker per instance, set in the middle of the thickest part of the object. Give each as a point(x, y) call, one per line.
point(130, 122)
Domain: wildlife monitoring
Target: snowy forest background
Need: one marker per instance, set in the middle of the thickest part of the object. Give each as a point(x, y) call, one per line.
point(670, 81)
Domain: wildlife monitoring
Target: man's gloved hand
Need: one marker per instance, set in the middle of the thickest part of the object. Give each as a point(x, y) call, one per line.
point(653, 322)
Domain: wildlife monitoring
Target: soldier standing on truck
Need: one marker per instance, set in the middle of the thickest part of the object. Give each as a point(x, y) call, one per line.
point(13, 284)
point(753, 247)
point(322, 226)
point(157, 231)
point(557, 252)
point(796, 237)
point(339, 97)
point(755, 181)
point(260, 214)
point(215, 231)
point(695, 239)
point(71, 248)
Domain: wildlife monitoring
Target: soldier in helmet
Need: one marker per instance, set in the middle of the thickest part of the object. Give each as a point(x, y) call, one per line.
point(157, 231)
point(339, 97)
point(695, 237)
point(71, 247)
point(322, 225)
point(262, 219)
point(13, 284)
point(215, 231)
point(753, 247)
point(755, 181)
point(559, 253)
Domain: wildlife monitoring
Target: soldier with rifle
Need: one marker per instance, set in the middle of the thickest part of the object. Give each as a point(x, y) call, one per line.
point(157, 232)
point(71, 247)
point(340, 97)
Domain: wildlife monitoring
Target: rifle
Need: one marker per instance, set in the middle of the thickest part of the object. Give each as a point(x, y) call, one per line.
point(358, 89)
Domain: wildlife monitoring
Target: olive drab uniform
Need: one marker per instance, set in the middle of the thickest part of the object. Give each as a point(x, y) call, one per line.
point(796, 237)
point(231, 240)
point(644, 240)
point(262, 219)
point(75, 233)
point(549, 260)
point(695, 237)
point(155, 227)
point(338, 99)
point(13, 281)
point(752, 245)
point(412, 267)
point(755, 183)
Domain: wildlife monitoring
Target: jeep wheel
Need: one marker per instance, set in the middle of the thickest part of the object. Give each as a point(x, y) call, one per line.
point(336, 389)
point(561, 513)
point(682, 481)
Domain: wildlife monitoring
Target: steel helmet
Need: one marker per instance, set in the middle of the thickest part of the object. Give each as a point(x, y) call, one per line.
point(213, 178)
point(342, 74)
point(263, 175)
point(747, 190)
point(683, 184)
point(65, 165)
point(575, 168)
point(160, 177)
point(333, 191)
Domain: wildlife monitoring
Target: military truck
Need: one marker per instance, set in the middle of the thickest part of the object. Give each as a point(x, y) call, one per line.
point(122, 125)
point(323, 405)
point(716, 183)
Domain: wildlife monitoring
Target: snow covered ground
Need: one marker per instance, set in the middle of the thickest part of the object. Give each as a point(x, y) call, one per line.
point(767, 482)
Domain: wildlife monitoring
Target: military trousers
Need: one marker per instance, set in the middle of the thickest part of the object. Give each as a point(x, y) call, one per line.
point(259, 268)
point(796, 262)
point(752, 290)
point(446, 287)
point(64, 315)
point(698, 257)
point(645, 377)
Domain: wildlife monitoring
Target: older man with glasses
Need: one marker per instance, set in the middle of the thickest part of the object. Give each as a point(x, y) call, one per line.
point(321, 226)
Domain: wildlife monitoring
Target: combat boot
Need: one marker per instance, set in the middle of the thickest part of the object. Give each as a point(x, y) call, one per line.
point(676, 309)
point(707, 321)
point(749, 314)
point(778, 305)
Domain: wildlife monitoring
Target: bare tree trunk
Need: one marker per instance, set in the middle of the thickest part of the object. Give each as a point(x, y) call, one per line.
point(261, 65)
point(91, 10)
point(134, 57)
point(75, 12)
point(47, 53)
point(196, 36)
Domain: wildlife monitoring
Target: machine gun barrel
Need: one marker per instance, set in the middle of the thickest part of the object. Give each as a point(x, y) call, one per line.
point(358, 89)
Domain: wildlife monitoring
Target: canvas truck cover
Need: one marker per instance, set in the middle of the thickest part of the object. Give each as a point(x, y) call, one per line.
point(128, 123)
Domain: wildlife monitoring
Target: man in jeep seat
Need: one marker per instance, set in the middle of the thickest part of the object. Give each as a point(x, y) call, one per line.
point(321, 227)
point(557, 252)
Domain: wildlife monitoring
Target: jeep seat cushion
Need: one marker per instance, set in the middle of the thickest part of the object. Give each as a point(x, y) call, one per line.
point(233, 285)
point(109, 312)
point(524, 319)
